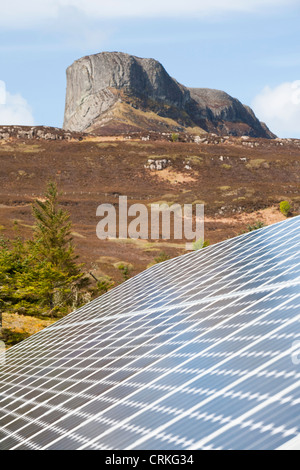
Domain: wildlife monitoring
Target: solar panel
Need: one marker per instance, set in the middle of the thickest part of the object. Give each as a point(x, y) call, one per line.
point(198, 352)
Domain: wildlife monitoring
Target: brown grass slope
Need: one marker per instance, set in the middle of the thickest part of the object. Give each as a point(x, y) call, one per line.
point(239, 182)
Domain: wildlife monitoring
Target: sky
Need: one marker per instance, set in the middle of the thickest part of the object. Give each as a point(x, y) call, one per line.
point(248, 48)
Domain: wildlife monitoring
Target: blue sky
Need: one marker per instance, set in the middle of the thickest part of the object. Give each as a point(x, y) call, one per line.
point(249, 48)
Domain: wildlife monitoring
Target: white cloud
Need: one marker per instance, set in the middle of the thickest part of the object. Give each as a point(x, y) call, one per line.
point(279, 107)
point(17, 13)
point(14, 110)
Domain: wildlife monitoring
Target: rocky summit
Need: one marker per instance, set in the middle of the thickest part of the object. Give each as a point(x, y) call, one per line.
point(115, 93)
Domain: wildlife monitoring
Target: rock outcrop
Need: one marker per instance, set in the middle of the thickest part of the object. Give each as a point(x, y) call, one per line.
point(113, 92)
point(38, 133)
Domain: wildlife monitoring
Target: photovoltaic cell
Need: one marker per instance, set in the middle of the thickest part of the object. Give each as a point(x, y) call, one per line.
point(197, 352)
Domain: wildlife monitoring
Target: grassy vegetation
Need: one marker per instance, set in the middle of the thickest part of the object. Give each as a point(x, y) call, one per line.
point(226, 166)
point(104, 284)
point(126, 114)
point(240, 198)
point(17, 327)
point(256, 226)
point(196, 160)
point(145, 244)
point(163, 256)
point(168, 203)
point(107, 145)
point(21, 147)
point(160, 258)
point(21, 223)
point(256, 163)
point(120, 265)
point(11, 337)
point(171, 196)
point(199, 244)
point(198, 201)
point(107, 260)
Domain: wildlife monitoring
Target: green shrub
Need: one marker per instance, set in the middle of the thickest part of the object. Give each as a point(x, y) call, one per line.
point(175, 137)
point(257, 225)
point(125, 270)
point(285, 208)
point(226, 166)
point(11, 338)
point(104, 285)
point(162, 257)
point(199, 244)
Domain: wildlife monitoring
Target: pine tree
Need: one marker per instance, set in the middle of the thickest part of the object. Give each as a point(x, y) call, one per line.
point(42, 276)
point(59, 274)
point(53, 231)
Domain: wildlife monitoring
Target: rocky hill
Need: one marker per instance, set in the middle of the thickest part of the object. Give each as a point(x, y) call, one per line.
point(114, 93)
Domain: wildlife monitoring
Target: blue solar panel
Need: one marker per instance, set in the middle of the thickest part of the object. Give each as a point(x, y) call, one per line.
point(194, 353)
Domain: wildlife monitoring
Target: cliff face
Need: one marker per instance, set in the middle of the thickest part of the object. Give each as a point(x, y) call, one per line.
point(118, 91)
point(226, 114)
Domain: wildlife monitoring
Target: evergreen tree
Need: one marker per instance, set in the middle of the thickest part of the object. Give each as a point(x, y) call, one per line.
point(3, 277)
point(53, 232)
point(42, 276)
point(11, 264)
point(59, 276)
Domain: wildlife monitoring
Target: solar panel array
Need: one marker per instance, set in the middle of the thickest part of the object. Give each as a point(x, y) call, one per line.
point(199, 352)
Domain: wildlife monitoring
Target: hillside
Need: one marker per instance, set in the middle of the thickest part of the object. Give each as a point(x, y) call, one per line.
point(240, 181)
point(113, 93)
